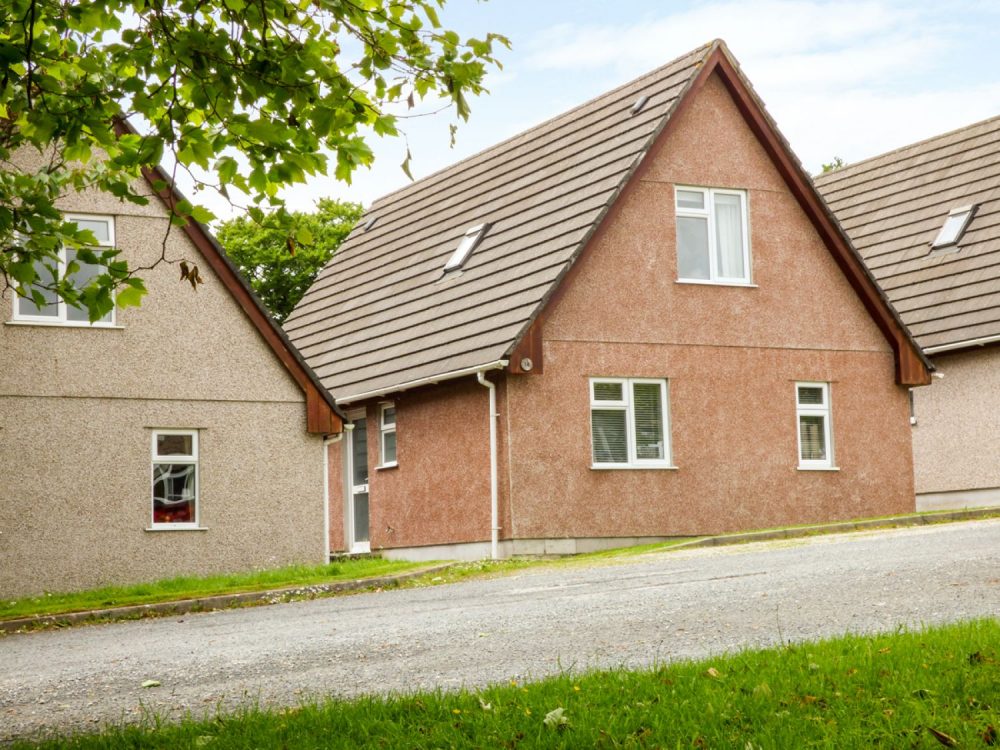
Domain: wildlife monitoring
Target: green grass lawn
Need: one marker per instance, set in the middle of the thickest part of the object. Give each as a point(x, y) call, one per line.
point(192, 587)
point(929, 689)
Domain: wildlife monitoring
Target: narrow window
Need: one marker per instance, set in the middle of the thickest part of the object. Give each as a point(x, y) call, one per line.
point(472, 237)
point(954, 227)
point(387, 423)
point(712, 243)
point(813, 413)
point(53, 309)
point(175, 479)
point(628, 423)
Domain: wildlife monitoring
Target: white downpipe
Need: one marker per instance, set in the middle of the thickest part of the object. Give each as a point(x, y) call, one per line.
point(494, 503)
point(327, 442)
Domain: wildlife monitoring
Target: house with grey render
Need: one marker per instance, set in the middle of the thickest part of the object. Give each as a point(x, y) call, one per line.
point(635, 321)
point(182, 437)
point(926, 219)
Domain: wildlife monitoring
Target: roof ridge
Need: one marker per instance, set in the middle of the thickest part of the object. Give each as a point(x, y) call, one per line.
point(923, 142)
point(707, 48)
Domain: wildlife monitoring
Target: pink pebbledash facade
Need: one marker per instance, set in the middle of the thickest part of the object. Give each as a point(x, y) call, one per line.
point(729, 356)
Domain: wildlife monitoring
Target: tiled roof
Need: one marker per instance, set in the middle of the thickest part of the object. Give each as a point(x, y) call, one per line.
point(383, 313)
point(894, 205)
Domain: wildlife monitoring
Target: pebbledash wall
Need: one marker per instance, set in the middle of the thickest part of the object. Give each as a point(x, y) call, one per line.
point(731, 356)
point(962, 473)
point(77, 410)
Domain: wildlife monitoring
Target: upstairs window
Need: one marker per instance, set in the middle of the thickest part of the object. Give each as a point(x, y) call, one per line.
point(712, 236)
point(628, 423)
point(472, 237)
point(954, 227)
point(54, 310)
point(812, 402)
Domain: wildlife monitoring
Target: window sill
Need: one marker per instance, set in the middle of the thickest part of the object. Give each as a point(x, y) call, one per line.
point(383, 467)
point(624, 467)
point(818, 468)
point(176, 527)
point(708, 282)
point(64, 324)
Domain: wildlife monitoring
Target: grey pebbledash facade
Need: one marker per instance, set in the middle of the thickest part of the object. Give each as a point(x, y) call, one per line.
point(182, 437)
point(635, 321)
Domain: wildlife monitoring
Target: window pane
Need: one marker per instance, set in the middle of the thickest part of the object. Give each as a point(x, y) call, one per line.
point(690, 199)
point(729, 236)
point(389, 448)
point(361, 517)
point(174, 445)
point(389, 416)
point(174, 493)
point(812, 437)
point(100, 228)
point(810, 395)
point(80, 280)
point(359, 446)
point(648, 406)
point(608, 392)
point(951, 229)
point(610, 442)
point(692, 248)
point(27, 306)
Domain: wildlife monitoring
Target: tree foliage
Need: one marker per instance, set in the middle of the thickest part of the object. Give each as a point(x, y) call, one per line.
point(834, 165)
point(279, 270)
point(247, 95)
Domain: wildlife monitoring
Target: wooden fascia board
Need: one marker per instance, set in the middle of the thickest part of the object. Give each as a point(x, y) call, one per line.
point(323, 416)
point(912, 366)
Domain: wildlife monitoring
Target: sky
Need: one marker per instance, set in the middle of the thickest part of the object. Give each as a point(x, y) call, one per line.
point(842, 79)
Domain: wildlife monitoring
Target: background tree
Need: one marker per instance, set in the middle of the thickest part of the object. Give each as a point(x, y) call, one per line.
point(834, 165)
point(245, 95)
point(279, 270)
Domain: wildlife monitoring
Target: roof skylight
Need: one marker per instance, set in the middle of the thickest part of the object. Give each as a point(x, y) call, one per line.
point(954, 226)
point(471, 238)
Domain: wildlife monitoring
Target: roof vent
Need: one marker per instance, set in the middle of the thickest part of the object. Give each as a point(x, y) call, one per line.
point(954, 226)
point(639, 104)
point(369, 224)
point(472, 237)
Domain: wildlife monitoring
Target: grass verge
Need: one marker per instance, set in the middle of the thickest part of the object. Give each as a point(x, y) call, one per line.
point(927, 689)
point(193, 587)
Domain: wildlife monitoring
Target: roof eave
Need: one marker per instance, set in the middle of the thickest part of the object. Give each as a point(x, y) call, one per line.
point(323, 416)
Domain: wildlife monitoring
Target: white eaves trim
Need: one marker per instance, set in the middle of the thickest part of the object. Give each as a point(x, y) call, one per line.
point(431, 380)
point(962, 344)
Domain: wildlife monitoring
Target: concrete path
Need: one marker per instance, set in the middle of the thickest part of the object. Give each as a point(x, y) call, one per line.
point(654, 608)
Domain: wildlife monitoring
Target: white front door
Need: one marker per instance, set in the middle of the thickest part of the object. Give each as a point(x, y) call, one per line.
point(357, 485)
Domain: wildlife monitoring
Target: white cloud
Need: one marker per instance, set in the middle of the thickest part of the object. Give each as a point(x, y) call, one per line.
point(755, 29)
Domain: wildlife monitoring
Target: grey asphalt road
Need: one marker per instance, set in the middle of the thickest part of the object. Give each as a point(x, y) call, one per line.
point(648, 609)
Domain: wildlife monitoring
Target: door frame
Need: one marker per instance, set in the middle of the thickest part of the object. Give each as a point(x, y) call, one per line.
point(352, 546)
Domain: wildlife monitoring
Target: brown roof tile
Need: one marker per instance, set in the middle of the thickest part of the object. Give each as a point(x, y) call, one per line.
point(382, 314)
point(892, 207)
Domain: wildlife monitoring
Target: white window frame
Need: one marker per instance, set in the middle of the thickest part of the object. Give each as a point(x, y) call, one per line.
point(626, 404)
point(708, 213)
point(964, 215)
point(824, 410)
point(60, 318)
point(470, 240)
point(191, 460)
point(383, 431)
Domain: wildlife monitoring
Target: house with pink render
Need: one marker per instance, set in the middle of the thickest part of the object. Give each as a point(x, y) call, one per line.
point(635, 321)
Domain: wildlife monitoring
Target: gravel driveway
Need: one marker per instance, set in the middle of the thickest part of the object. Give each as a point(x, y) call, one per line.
point(651, 608)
